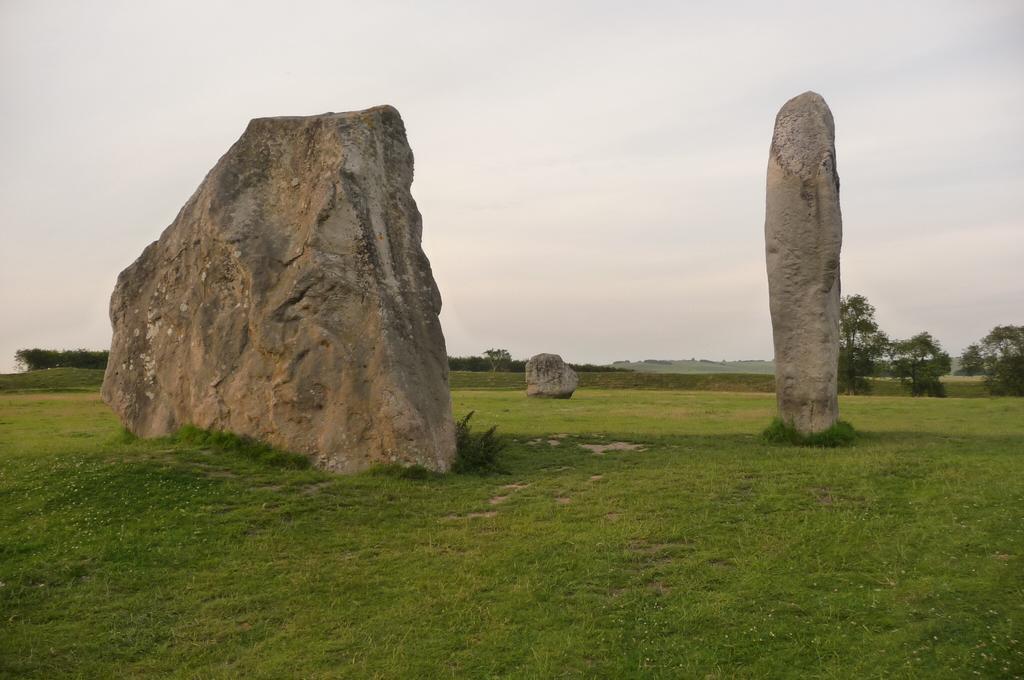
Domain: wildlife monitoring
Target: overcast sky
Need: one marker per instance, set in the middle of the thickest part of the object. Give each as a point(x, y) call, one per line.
point(591, 174)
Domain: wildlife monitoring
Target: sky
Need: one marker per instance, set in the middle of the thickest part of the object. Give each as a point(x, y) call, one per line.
point(591, 174)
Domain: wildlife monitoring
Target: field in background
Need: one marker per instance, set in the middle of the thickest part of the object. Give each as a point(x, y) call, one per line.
point(64, 379)
point(720, 382)
point(53, 379)
point(698, 366)
point(692, 549)
point(708, 366)
point(624, 380)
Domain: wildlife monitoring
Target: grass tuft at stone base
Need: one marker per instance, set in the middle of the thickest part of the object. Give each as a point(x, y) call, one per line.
point(244, 446)
point(840, 434)
point(415, 472)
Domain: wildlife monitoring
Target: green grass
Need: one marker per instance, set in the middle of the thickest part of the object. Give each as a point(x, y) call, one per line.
point(706, 553)
point(716, 382)
point(499, 380)
point(956, 386)
point(88, 379)
point(52, 380)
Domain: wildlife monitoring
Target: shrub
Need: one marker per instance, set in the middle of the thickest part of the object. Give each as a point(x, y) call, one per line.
point(476, 453)
point(228, 442)
point(840, 434)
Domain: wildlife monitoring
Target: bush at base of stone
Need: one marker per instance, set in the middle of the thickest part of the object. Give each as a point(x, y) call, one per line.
point(244, 446)
point(840, 434)
point(476, 453)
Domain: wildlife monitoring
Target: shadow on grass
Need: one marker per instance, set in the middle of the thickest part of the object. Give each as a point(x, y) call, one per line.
point(525, 456)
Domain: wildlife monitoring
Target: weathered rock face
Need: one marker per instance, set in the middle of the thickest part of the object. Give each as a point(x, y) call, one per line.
point(803, 233)
point(548, 376)
point(290, 301)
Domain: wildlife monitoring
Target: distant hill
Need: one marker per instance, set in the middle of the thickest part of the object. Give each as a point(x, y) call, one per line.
point(705, 366)
point(52, 380)
point(698, 366)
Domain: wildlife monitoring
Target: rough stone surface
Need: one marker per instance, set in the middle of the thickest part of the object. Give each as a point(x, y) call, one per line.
point(803, 234)
point(548, 376)
point(290, 301)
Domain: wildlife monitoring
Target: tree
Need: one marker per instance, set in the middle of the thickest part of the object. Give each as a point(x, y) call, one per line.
point(1001, 355)
point(36, 359)
point(920, 362)
point(971, 361)
point(499, 358)
point(861, 344)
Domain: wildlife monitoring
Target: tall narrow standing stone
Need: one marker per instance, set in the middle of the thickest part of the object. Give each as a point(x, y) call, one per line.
point(803, 232)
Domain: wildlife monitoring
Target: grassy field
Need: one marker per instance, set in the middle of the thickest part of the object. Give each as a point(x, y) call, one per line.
point(699, 366)
point(85, 379)
point(702, 553)
point(718, 382)
point(52, 380)
point(956, 386)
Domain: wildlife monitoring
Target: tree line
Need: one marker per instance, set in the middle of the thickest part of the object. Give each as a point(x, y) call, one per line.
point(501, 360)
point(492, 360)
point(37, 359)
point(865, 351)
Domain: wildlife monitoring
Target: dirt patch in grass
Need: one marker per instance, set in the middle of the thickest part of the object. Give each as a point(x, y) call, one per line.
point(313, 489)
point(658, 587)
point(823, 495)
point(473, 515)
point(645, 548)
point(601, 449)
point(497, 500)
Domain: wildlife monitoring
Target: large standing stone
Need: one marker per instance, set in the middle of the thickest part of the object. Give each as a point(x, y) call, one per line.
point(548, 376)
point(290, 301)
point(803, 233)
